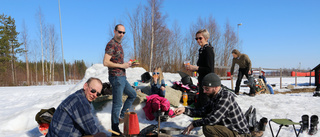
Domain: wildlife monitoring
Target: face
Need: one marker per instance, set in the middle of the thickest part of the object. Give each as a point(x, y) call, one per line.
point(201, 40)
point(210, 91)
point(94, 85)
point(155, 73)
point(234, 55)
point(119, 33)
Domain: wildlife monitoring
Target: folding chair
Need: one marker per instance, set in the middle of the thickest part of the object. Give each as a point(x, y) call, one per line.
point(284, 122)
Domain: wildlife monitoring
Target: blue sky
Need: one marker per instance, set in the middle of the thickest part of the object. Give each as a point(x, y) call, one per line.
point(274, 33)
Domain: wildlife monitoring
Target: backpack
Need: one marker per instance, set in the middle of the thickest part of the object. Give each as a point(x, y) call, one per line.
point(186, 80)
point(250, 116)
point(106, 89)
point(45, 115)
point(145, 77)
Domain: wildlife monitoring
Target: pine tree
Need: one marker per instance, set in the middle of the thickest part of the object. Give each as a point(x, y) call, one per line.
point(9, 45)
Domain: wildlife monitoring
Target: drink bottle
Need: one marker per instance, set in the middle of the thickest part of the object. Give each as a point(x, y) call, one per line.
point(185, 98)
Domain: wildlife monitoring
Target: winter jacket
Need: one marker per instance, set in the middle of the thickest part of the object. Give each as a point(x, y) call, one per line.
point(205, 61)
point(243, 61)
point(222, 109)
point(154, 102)
point(155, 88)
point(73, 117)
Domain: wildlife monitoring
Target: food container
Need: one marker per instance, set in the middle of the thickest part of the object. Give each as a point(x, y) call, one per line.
point(171, 131)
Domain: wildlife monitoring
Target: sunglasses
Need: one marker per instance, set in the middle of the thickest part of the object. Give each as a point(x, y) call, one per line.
point(94, 91)
point(121, 32)
point(156, 73)
point(200, 38)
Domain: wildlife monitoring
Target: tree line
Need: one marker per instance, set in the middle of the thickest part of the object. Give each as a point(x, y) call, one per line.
point(155, 44)
point(40, 65)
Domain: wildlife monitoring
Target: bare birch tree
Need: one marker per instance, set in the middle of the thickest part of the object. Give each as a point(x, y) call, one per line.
point(53, 38)
point(25, 40)
point(152, 2)
point(35, 55)
point(135, 24)
point(40, 18)
point(177, 48)
point(229, 42)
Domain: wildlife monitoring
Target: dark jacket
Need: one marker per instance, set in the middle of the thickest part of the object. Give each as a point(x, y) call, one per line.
point(221, 109)
point(243, 61)
point(73, 117)
point(155, 88)
point(205, 61)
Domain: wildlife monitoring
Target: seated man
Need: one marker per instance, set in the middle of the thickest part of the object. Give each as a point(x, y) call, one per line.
point(73, 117)
point(221, 116)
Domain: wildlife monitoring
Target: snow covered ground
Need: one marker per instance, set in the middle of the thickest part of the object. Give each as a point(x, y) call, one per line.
point(19, 105)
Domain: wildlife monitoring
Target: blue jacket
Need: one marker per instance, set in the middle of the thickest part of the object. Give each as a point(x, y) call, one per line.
point(73, 117)
point(155, 88)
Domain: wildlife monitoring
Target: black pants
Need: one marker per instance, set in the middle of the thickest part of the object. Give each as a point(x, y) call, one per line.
point(243, 71)
point(202, 97)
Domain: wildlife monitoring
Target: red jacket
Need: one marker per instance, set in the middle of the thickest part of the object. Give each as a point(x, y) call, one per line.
point(154, 102)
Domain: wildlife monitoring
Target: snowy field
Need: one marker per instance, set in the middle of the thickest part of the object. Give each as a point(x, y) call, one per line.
point(19, 105)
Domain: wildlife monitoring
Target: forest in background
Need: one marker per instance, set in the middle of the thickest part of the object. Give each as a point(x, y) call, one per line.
point(37, 65)
point(39, 62)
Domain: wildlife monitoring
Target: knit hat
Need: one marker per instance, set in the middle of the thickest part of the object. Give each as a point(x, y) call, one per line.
point(211, 80)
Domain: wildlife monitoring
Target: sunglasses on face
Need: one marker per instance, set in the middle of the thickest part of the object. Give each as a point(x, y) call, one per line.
point(121, 32)
point(156, 73)
point(94, 91)
point(200, 38)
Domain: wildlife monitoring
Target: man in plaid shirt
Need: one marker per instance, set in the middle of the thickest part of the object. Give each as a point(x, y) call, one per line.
point(73, 117)
point(221, 116)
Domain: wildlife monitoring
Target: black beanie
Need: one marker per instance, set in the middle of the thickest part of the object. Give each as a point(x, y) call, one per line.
point(211, 80)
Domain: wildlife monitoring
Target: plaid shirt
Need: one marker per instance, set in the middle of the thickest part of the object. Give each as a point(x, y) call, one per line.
point(221, 110)
point(73, 117)
point(114, 49)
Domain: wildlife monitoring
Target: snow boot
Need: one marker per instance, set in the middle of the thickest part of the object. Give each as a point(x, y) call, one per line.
point(304, 123)
point(316, 94)
point(262, 124)
point(313, 124)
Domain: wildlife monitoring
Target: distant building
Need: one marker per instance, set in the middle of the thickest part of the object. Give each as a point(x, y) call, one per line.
point(317, 77)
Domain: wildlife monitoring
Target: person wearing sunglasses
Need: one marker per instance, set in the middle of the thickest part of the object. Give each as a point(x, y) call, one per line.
point(205, 63)
point(114, 60)
point(158, 86)
point(73, 116)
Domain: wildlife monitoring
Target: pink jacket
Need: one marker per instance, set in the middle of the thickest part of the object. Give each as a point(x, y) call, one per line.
point(154, 102)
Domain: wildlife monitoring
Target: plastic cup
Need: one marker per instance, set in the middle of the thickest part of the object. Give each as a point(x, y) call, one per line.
point(135, 84)
point(186, 63)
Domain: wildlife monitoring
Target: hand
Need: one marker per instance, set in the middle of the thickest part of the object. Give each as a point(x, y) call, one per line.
point(179, 111)
point(187, 130)
point(162, 88)
point(231, 76)
point(249, 72)
point(126, 65)
point(189, 67)
point(192, 67)
point(155, 78)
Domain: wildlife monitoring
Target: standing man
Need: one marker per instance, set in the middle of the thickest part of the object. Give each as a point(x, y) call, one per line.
point(73, 117)
point(244, 63)
point(221, 116)
point(113, 59)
